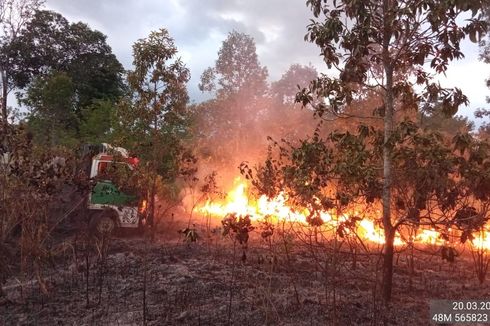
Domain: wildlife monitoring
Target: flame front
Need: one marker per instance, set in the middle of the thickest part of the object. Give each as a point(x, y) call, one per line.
point(238, 202)
point(482, 240)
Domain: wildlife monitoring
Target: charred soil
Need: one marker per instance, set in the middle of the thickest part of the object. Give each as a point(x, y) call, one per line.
point(135, 281)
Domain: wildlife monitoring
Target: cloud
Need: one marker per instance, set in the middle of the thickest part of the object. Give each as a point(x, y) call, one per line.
point(469, 75)
point(199, 27)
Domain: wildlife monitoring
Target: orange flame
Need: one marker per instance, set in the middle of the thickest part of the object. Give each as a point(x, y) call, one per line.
point(482, 240)
point(143, 206)
point(238, 202)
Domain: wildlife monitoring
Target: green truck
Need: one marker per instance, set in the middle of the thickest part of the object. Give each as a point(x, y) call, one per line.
point(109, 205)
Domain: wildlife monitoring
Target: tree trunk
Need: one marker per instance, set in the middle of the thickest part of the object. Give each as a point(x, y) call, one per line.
point(4, 97)
point(154, 159)
point(152, 208)
point(389, 232)
point(388, 265)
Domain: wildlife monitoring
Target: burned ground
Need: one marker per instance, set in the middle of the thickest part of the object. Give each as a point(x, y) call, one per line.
point(279, 283)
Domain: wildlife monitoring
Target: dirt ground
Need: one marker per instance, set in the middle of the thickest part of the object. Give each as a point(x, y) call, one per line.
point(279, 282)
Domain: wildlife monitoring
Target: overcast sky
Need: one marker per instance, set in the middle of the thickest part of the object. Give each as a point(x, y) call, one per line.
point(199, 27)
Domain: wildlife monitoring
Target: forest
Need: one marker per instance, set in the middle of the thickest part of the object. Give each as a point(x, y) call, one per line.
point(359, 196)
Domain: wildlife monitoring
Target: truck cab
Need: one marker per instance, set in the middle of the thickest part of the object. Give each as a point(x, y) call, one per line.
point(109, 204)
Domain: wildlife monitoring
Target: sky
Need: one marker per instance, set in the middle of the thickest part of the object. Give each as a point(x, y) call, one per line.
point(199, 28)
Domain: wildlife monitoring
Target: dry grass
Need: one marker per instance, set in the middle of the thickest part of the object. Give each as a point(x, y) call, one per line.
point(282, 282)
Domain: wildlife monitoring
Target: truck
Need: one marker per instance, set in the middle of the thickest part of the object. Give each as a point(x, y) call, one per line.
point(111, 205)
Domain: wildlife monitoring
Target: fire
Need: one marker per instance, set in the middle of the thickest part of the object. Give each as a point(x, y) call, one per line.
point(375, 234)
point(430, 237)
point(238, 202)
point(143, 206)
point(482, 240)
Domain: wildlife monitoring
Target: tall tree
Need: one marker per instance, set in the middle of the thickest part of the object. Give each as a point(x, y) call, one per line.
point(50, 43)
point(372, 44)
point(237, 68)
point(155, 118)
point(48, 46)
point(239, 83)
point(14, 15)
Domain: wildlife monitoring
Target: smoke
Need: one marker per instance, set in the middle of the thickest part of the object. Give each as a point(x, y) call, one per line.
point(240, 128)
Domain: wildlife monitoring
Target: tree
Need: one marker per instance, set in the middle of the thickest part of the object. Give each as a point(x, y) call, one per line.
point(378, 42)
point(97, 122)
point(53, 121)
point(237, 69)
point(14, 15)
point(438, 121)
point(224, 122)
point(154, 120)
point(48, 45)
point(484, 129)
point(439, 182)
point(294, 79)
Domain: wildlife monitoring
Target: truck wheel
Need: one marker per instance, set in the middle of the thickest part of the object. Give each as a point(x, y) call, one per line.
point(102, 225)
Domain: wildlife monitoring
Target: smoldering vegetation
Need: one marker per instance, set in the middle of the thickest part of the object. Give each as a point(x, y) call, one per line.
point(315, 142)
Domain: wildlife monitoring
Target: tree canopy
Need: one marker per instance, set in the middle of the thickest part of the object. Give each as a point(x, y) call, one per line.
point(14, 15)
point(48, 48)
point(237, 68)
point(293, 80)
point(153, 119)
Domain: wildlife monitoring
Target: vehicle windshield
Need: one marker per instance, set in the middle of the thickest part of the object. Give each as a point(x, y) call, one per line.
point(120, 174)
